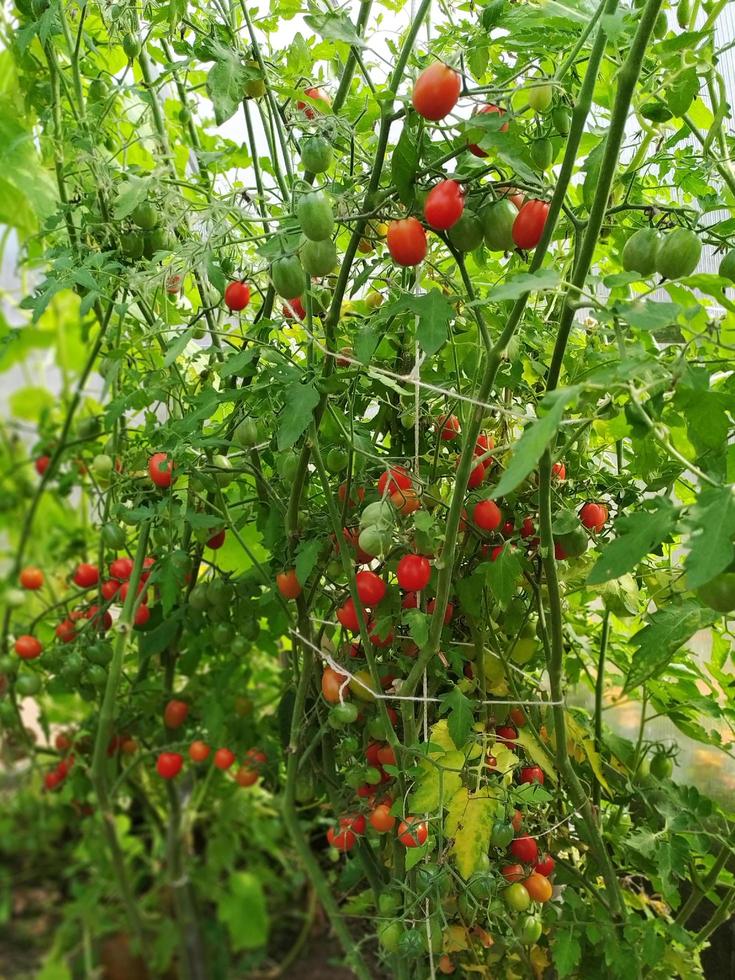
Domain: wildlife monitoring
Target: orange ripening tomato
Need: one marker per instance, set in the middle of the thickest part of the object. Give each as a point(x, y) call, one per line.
point(538, 887)
point(31, 578)
point(381, 819)
point(406, 501)
point(288, 585)
point(332, 683)
point(436, 91)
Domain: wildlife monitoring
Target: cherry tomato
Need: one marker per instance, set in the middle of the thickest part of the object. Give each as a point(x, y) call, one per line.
point(109, 589)
point(85, 575)
point(593, 516)
point(237, 296)
point(223, 758)
point(174, 714)
point(370, 588)
point(121, 568)
point(347, 616)
point(386, 755)
point(473, 147)
point(343, 840)
point(448, 427)
point(545, 866)
point(538, 887)
point(375, 638)
point(444, 205)
point(477, 475)
point(517, 820)
point(559, 471)
point(381, 819)
point(42, 464)
point(169, 764)
point(487, 515)
point(160, 470)
point(513, 872)
point(448, 612)
point(317, 95)
point(28, 647)
point(518, 717)
point(406, 501)
point(413, 573)
point(529, 930)
point(529, 224)
point(52, 780)
point(357, 495)
point(662, 766)
point(527, 528)
point(396, 478)
point(245, 776)
point(525, 849)
point(142, 615)
point(501, 836)
point(217, 540)
point(506, 735)
point(406, 241)
point(332, 682)
point(436, 91)
point(288, 585)
point(532, 774)
point(31, 578)
point(66, 631)
point(199, 751)
point(516, 897)
point(412, 832)
point(294, 308)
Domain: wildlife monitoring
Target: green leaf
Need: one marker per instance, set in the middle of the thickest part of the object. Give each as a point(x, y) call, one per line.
point(536, 437)
point(236, 362)
point(177, 347)
point(666, 631)
point(301, 400)
point(503, 574)
point(404, 163)
point(418, 626)
point(566, 951)
point(226, 84)
point(460, 718)
point(647, 314)
point(435, 314)
point(335, 27)
point(637, 535)
point(242, 908)
point(367, 340)
point(682, 92)
point(306, 558)
point(525, 282)
point(132, 193)
point(713, 527)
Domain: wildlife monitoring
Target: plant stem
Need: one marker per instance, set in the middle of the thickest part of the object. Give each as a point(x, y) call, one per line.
point(699, 893)
point(599, 690)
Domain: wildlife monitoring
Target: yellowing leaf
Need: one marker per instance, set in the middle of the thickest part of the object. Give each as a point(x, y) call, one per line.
point(436, 784)
point(528, 741)
point(469, 822)
point(455, 939)
point(440, 736)
point(539, 960)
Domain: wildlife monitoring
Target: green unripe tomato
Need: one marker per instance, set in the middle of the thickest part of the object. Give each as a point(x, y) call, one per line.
point(26, 685)
point(157, 240)
point(573, 542)
point(8, 665)
point(389, 902)
point(316, 154)
point(662, 766)
point(661, 26)
point(223, 476)
point(72, 667)
point(523, 650)
point(89, 427)
point(96, 676)
point(719, 592)
point(288, 277)
point(381, 513)
point(390, 935)
point(246, 434)
point(529, 929)
point(375, 541)
point(98, 87)
point(219, 593)
point(14, 598)
point(131, 46)
point(255, 83)
point(318, 258)
point(727, 266)
point(102, 466)
point(561, 117)
point(542, 153)
point(376, 729)
point(145, 216)
point(315, 215)
point(516, 897)
point(222, 634)
point(336, 460)
point(679, 254)
point(497, 223)
point(413, 942)
point(502, 834)
point(99, 653)
point(640, 251)
point(343, 714)
point(467, 233)
point(287, 465)
point(540, 95)
point(131, 243)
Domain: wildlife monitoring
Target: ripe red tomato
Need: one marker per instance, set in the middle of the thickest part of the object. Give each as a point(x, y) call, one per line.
point(371, 754)
point(532, 774)
point(386, 755)
point(444, 205)
point(529, 224)
point(294, 308)
point(28, 647)
point(355, 822)
point(347, 616)
point(174, 714)
point(436, 91)
point(86, 575)
point(477, 475)
point(413, 573)
point(410, 601)
point(66, 632)
point(288, 585)
point(245, 776)
point(223, 758)
point(142, 615)
point(538, 887)
point(310, 111)
point(237, 296)
point(199, 751)
point(103, 620)
point(343, 840)
point(381, 819)
point(160, 470)
point(396, 478)
point(169, 764)
point(370, 588)
point(508, 529)
point(525, 849)
point(121, 568)
point(513, 872)
point(527, 528)
point(593, 516)
point(487, 515)
point(448, 612)
point(42, 464)
point(482, 446)
point(332, 683)
point(517, 821)
point(448, 427)
point(217, 540)
point(255, 758)
point(109, 589)
point(559, 471)
point(473, 147)
point(545, 866)
point(412, 832)
point(31, 578)
point(518, 717)
point(52, 780)
point(357, 495)
point(375, 639)
point(62, 742)
point(506, 735)
point(406, 240)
